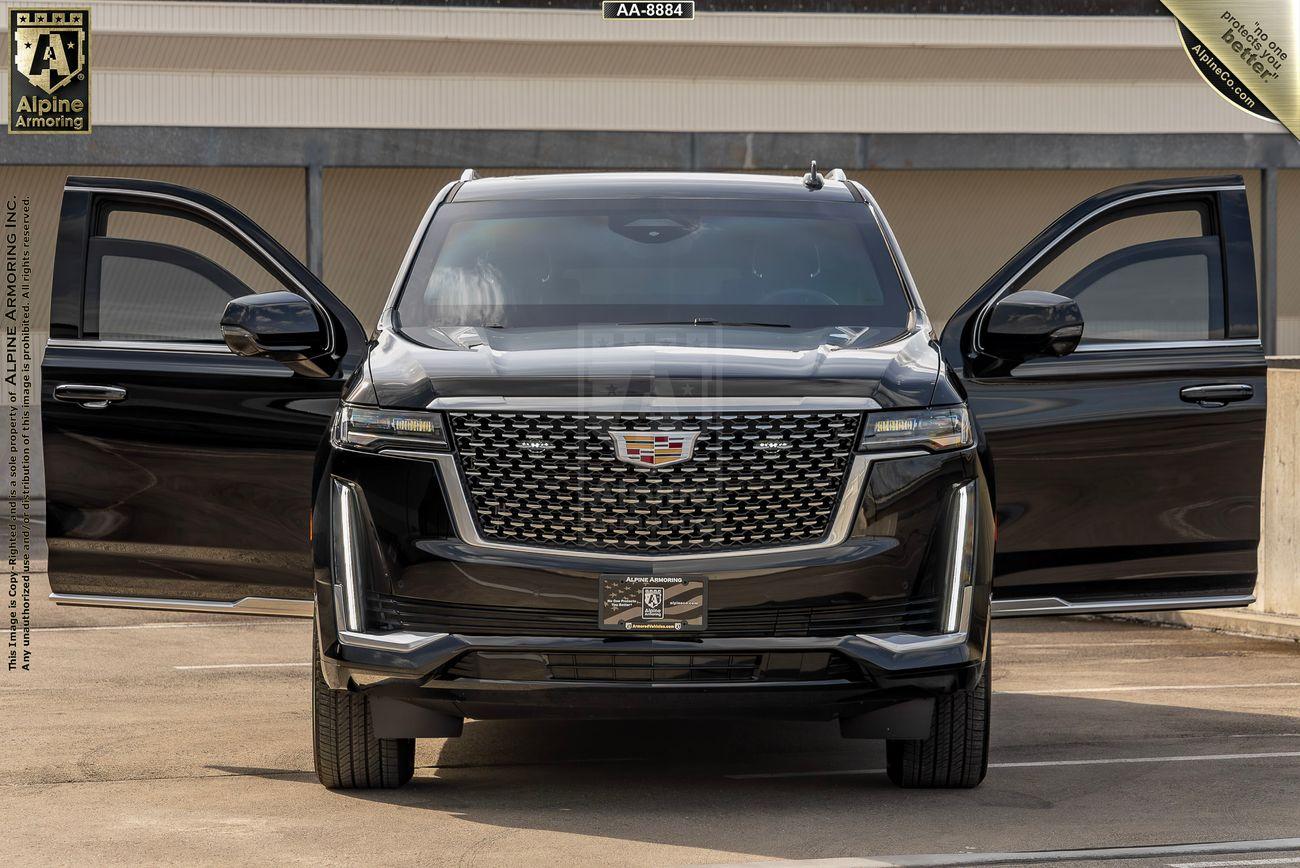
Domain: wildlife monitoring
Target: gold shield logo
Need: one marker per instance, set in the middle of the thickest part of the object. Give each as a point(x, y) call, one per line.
point(649, 449)
point(50, 47)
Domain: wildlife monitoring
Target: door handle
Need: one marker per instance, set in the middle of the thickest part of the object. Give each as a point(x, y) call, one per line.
point(1217, 395)
point(90, 397)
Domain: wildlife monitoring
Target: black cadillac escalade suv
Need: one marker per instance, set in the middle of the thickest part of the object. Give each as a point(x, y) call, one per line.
point(654, 445)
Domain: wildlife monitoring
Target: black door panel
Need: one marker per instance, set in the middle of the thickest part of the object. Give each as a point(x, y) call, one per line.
point(1105, 473)
point(1128, 471)
point(176, 470)
point(196, 485)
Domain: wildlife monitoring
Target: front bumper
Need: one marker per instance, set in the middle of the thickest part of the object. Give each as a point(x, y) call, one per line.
point(889, 670)
point(902, 541)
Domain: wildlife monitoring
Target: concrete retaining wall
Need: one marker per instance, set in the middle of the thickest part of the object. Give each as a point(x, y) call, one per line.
point(1278, 590)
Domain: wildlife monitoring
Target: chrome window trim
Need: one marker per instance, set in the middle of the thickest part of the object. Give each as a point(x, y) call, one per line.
point(151, 346)
point(1181, 191)
point(242, 606)
point(466, 527)
point(189, 204)
point(651, 404)
point(1025, 606)
point(895, 249)
point(385, 316)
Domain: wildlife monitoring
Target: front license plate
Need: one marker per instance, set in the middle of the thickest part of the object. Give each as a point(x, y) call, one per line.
point(652, 604)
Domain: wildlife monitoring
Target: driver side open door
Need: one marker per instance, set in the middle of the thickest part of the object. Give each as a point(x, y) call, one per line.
point(179, 474)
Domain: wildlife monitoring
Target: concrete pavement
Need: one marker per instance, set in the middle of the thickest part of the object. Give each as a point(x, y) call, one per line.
point(145, 739)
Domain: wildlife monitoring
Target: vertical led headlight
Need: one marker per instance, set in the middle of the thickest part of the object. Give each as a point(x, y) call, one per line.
point(347, 559)
point(960, 568)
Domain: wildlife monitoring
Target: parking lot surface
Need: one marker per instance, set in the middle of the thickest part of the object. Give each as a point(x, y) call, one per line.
point(151, 738)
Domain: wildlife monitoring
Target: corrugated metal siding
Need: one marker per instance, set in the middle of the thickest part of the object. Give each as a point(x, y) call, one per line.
point(226, 99)
point(537, 25)
point(633, 60)
point(239, 64)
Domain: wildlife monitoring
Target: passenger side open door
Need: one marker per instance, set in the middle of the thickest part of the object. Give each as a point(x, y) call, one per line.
point(1126, 472)
point(179, 474)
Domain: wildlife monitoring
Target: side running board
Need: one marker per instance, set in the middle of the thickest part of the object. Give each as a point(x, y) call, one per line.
point(1026, 606)
point(242, 606)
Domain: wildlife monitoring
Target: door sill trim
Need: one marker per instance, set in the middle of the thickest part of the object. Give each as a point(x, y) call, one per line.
point(1020, 607)
point(242, 606)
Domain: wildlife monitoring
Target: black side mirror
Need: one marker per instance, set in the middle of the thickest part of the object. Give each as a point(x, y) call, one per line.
point(1029, 324)
point(280, 326)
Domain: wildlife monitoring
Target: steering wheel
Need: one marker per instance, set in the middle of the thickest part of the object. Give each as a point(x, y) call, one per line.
point(796, 296)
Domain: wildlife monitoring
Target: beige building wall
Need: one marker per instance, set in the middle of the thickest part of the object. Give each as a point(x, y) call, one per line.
point(424, 67)
point(275, 198)
point(370, 216)
point(956, 227)
point(1288, 262)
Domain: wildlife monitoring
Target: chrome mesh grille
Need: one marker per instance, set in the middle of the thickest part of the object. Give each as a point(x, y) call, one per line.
point(739, 491)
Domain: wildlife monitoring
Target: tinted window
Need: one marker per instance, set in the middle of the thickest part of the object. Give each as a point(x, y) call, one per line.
point(1144, 275)
point(559, 263)
point(156, 300)
point(161, 276)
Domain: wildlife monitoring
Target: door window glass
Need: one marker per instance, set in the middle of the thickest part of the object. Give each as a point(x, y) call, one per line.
point(1143, 276)
point(163, 277)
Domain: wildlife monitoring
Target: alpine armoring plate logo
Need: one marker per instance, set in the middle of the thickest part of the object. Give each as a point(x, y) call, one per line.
point(49, 82)
point(648, 449)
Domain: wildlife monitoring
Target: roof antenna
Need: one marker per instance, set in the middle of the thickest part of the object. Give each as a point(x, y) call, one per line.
point(812, 180)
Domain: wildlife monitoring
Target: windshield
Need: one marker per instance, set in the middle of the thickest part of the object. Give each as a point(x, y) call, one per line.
point(524, 264)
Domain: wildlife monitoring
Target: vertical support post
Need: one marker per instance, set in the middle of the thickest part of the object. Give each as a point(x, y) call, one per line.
point(1268, 261)
point(315, 218)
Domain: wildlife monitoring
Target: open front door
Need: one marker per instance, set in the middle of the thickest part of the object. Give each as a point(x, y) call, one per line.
point(1126, 473)
point(179, 475)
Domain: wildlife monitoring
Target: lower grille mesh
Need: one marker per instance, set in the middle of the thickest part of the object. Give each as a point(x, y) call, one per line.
point(919, 615)
point(654, 668)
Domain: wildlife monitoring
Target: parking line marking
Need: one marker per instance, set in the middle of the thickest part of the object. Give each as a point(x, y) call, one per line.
point(241, 665)
point(1140, 688)
point(1099, 761)
point(1226, 863)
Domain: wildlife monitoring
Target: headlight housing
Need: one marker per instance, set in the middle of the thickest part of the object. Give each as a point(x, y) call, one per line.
point(372, 429)
point(938, 429)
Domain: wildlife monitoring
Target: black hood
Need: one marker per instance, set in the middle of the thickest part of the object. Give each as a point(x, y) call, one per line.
point(893, 369)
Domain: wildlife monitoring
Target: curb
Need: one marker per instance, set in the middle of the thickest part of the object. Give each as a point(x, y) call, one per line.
point(1241, 622)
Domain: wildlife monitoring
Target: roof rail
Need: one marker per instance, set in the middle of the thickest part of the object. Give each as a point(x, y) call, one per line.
point(836, 175)
point(469, 175)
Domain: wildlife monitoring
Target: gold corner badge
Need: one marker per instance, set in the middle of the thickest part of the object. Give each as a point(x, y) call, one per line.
point(49, 81)
point(1246, 51)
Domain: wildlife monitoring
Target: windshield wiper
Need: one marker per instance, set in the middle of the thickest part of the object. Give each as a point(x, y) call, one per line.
point(707, 321)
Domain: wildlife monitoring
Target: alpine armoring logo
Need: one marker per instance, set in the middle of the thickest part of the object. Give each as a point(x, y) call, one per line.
point(49, 82)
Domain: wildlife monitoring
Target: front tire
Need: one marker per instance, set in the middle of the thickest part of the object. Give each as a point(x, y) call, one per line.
point(956, 753)
point(347, 754)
